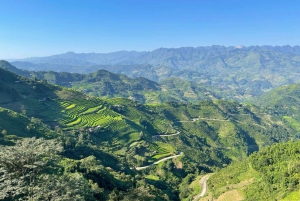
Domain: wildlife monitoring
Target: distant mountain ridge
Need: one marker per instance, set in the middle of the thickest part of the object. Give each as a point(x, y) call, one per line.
point(103, 83)
point(149, 57)
point(72, 58)
point(250, 70)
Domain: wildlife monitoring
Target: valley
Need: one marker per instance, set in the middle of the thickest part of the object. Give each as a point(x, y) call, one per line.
point(117, 100)
point(125, 134)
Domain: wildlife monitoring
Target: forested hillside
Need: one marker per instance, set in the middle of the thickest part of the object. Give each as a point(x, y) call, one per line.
point(119, 148)
point(270, 174)
point(109, 85)
point(283, 102)
point(68, 165)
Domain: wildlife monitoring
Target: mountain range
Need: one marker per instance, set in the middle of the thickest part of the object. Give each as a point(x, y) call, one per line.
point(249, 70)
point(103, 83)
point(102, 135)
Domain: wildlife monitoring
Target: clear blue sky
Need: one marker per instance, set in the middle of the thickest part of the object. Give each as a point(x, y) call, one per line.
point(45, 27)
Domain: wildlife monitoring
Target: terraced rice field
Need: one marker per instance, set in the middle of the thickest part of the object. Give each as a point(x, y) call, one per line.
point(162, 150)
point(77, 114)
point(95, 114)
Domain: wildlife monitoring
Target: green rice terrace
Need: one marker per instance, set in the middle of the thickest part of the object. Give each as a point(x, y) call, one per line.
point(208, 133)
point(82, 116)
point(142, 134)
point(127, 127)
point(122, 128)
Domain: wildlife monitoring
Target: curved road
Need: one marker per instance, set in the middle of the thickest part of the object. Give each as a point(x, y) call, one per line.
point(203, 182)
point(177, 133)
point(200, 118)
point(161, 160)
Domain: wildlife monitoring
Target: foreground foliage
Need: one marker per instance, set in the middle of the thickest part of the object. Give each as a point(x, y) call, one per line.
point(29, 172)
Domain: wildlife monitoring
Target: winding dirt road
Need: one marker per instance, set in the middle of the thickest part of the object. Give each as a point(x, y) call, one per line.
point(203, 182)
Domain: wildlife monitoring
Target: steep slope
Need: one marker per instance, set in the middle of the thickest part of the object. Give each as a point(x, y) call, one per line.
point(284, 102)
point(25, 95)
point(101, 173)
point(14, 125)
point(215, 121)
point(270, 174)
point(79, 166)
point(123, 134)
point(6, 65)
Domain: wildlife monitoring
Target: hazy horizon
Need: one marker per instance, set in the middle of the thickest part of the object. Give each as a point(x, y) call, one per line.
point(237, 46)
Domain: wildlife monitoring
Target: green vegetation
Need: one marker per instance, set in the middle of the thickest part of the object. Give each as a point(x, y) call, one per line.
point(283, 102)
point(108, 85)
point(270, 174)
point(32, 169)
point(14, 126)
point(96, 144)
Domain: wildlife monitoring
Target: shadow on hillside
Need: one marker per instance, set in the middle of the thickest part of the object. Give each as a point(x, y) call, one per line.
point(106, 159)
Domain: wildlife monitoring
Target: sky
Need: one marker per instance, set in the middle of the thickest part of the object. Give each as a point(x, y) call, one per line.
point(31, 28)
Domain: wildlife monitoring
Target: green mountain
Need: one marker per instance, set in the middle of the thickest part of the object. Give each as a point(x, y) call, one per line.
point(270, 174)
point(7, 66)
point(249, 70)
point(119, 148)
point(102, 83)
point(105, 84)
point(130, 121)
point(63, 167)
point(284, 102)
point(14, 125)
point(81, 171)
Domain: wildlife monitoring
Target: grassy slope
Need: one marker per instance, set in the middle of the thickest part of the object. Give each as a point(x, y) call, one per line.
point(103, 169)
point(270, 174)
point(284, 102)
point(14, 125)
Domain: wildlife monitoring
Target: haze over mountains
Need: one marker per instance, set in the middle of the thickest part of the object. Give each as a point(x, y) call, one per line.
point(251, 70)
point(153, 57)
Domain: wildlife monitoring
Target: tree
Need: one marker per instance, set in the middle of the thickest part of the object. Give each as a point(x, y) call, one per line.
point(28, 171)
